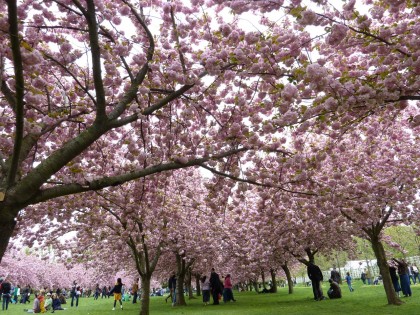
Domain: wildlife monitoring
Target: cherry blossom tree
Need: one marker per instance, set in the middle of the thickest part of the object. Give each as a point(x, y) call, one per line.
point(133, 226)
point(371, 178)
point(29, 268)
point(87, 85)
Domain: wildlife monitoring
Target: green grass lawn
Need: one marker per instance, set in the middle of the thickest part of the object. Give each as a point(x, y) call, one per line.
point(364, 300)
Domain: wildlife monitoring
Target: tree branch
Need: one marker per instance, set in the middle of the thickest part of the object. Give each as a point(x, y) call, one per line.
point(63, 190)
point(20, 90)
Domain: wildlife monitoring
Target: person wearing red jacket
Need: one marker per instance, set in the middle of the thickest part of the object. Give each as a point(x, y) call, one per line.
point(227, 291)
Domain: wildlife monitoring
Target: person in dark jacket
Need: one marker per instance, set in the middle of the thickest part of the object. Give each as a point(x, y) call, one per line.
point(335, 276)
point(117, 293)
point(315, 274)
point(394, 277)
point(6, 287)
point(402, 267)
point(56, 304)
point(334, 291)
point(215, 286)
point(172, 289)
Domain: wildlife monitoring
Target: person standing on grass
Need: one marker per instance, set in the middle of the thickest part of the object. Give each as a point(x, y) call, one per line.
point(348, 281)
point(73, 294)
point(172, 289)
point(410, 274)
point(363, 276)
point(403, 273)
point(205, 287)
point(97, 292)
point(117, 293)
point(315, 274)
point(216, 286)
point(135, 290)
point(394, 277)
point(227, 291)
point(415, 273)
point(6, 287)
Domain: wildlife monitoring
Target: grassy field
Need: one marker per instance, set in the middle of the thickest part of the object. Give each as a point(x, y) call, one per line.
point(365, 300)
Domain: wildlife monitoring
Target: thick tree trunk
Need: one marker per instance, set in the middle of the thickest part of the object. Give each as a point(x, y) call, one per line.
point(255, 285)
point(7, 225)
point(197, 284)
point(273, 281)
point(263, 279)
point(288, 277)
point(145, 296)
point(384, 270)
point(188, 285)
point(181, 271)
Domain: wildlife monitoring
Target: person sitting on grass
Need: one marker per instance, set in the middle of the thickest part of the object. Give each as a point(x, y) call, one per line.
point(36, 307)
point(41, 299)
point(56, 304)
point(48, 302)
point(334, 292)
point(62, 298)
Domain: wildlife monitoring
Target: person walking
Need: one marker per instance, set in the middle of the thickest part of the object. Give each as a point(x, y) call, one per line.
point(215, 285)
point(315, 274)
point(135, 290)
point(348, 281)
point(117, 293)
point(172, 288)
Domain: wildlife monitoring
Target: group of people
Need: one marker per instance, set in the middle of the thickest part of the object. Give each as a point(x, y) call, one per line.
point(213, 286)
point(402, 273)
point(14, 294)
point(217, 288)
point(45, 302)
point(49, 300)
point(334, 291)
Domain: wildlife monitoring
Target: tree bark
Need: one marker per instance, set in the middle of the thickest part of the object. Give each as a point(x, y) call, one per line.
point(181, 271)
point(255, 285)
point(273, 281)
point(145, 295)
point(197, 284)
point(384, 270)
point(7, 225)
point(188, 285)
point(263, 279)
point(288, 277)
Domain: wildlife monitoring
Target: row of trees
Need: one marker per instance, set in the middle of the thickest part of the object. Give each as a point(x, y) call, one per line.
point(310, 137)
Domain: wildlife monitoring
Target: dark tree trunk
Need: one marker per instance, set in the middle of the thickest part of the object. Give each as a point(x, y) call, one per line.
point(384, 270)
point(273, 281)
point(7, 225)
point(181, 272)
point(255, 285)
point(197, 284)
point(288, 277)
point(249, 286)
point(145, 296)
point(263, 279)
point(188, 285)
